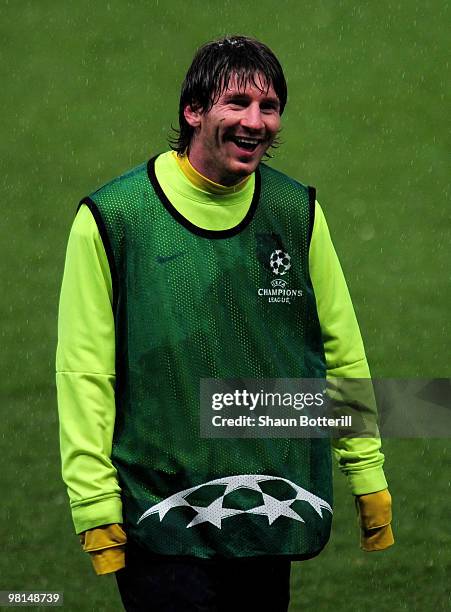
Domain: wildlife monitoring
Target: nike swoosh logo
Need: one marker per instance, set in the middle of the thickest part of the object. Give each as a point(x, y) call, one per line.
point(162, 259)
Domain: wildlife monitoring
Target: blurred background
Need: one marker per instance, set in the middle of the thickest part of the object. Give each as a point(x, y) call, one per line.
point(90, 89)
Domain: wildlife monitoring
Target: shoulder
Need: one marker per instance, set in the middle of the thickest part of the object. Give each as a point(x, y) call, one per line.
point(279, 187)
point(274, 180)
point(84, 224)
point(269, 173)
point(120, 197)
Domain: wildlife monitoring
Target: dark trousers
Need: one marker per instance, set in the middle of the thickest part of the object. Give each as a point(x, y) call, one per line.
point(161, 584)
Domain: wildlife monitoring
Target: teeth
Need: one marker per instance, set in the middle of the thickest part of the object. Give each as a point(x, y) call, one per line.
point(247, 141)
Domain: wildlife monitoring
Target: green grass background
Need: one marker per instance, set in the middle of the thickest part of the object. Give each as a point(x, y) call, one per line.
point(89, 89)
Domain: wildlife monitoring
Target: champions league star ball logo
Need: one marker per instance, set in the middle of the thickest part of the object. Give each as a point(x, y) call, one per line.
point(215, 512)
point(280, 262)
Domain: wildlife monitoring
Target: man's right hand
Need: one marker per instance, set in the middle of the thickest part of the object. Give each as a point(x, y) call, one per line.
point(106, 547)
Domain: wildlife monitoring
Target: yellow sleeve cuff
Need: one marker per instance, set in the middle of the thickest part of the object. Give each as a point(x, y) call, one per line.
point(106, 546)
point(375, 515)
point(108, 560)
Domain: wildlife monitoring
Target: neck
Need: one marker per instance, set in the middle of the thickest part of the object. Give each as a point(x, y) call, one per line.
point(210, 173)
point(201, 180)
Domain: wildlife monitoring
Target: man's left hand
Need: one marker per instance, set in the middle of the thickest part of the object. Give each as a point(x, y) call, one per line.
point(374, 510)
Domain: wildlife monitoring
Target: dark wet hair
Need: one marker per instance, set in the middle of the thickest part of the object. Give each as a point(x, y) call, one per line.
point(210, 72)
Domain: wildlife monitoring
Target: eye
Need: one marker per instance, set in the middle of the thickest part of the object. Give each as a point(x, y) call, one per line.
point(237, 104)
point(268, 108)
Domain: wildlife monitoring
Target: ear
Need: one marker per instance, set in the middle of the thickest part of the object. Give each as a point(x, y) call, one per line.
point(192, 116)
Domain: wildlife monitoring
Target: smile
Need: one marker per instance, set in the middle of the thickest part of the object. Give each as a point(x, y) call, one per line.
point(248, 144)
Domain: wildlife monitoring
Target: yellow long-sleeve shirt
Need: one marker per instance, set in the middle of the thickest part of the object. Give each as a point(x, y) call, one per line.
point(86, 343)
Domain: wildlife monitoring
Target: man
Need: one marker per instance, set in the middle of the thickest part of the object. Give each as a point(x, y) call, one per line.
point(160, 290)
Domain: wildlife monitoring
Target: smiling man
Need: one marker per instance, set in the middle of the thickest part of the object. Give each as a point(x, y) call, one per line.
point(231, 138)
point(162, 288)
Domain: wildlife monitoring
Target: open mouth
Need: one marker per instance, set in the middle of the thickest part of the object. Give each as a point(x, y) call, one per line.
point(248, 144)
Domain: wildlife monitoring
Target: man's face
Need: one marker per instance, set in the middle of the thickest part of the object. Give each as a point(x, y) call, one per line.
point(232, 137)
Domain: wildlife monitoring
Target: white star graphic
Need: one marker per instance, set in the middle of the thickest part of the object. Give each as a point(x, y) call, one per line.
point(273, 508)
point(316, 502)
point(232, 483)
point(164, 506)
point(214, 513)
point(246, 481)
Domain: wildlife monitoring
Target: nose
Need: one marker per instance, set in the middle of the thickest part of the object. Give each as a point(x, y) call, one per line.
point(252, 118)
